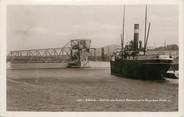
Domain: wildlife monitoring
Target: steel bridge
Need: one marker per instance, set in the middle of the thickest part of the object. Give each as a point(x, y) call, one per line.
point(75, 53)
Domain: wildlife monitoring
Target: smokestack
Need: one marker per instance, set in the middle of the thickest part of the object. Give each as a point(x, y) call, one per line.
point(140, 44)
point(103, 53)
point(136, 36)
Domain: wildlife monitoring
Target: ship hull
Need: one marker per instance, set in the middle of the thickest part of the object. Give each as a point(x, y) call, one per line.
point(140, 69)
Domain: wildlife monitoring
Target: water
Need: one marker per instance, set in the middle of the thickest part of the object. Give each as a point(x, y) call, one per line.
point(86, 89)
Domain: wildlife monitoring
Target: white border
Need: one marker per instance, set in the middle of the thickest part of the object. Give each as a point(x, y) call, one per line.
point(181, 56)
point(3, 5)
point(2, 58)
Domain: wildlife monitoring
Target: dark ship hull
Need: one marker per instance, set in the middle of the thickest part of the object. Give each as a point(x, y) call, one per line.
point(141, 69)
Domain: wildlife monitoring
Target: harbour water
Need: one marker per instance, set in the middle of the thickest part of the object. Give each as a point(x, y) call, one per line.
point(86, 89)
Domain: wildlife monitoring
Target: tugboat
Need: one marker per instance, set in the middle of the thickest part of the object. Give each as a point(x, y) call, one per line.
point(132, 61)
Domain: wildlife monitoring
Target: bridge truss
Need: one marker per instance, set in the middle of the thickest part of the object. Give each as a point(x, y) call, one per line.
point(75, 53)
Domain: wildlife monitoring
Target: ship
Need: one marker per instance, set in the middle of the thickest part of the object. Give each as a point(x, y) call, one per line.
point(133, 61)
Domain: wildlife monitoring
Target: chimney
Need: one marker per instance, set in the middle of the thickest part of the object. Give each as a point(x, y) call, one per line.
point(136, 36)
point(140, 44)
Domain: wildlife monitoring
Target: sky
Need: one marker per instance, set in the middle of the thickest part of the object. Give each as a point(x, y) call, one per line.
point(51, 26)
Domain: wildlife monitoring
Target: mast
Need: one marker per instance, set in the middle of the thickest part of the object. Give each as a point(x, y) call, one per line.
point(145, 29)
point(146, 41)
point(123, 30)
point(164, 44)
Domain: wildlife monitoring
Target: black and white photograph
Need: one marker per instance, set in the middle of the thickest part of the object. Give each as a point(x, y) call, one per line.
point(91, 58)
